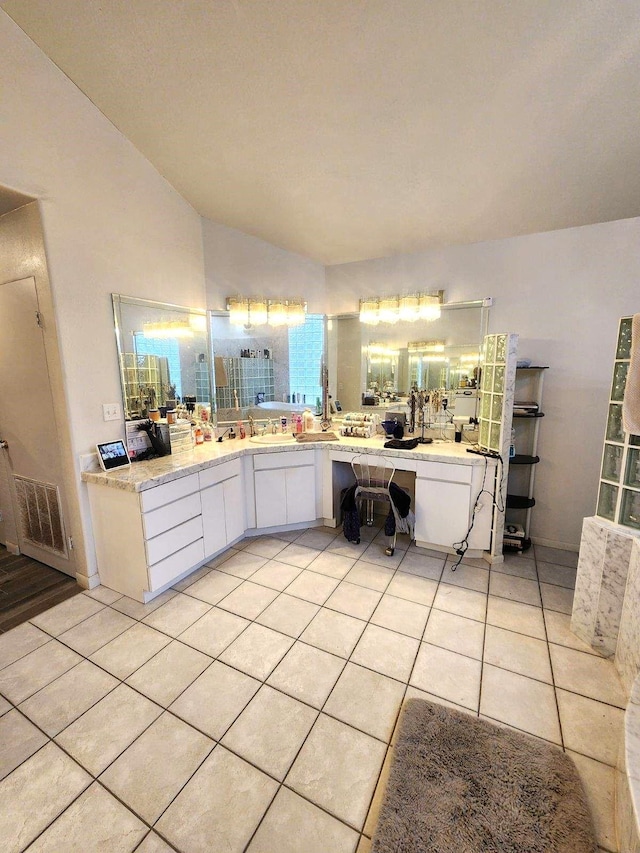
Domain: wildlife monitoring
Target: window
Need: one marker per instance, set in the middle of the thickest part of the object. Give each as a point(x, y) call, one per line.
point(306, 346)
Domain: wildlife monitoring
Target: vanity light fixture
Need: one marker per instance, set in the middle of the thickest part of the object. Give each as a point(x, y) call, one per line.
point(250, 311)
point(425, 346)
point(369, 312)
point(168, 329)
point(408, 308)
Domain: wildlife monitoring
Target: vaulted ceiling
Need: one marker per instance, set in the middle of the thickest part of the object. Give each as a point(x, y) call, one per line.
point(351, 129)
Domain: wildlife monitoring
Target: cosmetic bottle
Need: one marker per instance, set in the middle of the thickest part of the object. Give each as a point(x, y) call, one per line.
point(307, 420)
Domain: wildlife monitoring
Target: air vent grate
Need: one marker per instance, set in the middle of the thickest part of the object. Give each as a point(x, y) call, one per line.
point(40, 515)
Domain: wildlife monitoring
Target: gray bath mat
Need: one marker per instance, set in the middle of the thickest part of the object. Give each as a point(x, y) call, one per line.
point(462, 785)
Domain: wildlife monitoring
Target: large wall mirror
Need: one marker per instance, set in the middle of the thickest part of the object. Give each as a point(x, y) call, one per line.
point(377, 366)
point(164, 356)
point(266, 371)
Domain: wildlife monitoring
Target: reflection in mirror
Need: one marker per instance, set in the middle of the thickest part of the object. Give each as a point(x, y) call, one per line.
point(163, 354)
point(379, 365)
point(266, 371)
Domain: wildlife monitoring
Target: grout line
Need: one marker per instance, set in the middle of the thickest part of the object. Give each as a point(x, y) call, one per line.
point(553, 678)
point(263, 682)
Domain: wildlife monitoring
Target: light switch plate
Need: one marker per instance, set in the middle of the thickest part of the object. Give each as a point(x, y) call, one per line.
point(111, 411)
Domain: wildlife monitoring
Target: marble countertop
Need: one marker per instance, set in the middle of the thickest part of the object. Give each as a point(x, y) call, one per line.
point(146, 475)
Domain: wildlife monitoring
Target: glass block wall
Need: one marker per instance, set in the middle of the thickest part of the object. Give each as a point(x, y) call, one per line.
point(492, 389)
point(168, 348)
point(619, 493)
point(306, 345)
point(248, 377)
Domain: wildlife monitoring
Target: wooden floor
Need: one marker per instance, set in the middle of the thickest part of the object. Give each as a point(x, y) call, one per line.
point(28, 587)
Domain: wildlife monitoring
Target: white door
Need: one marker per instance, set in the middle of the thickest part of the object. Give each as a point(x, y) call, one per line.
point(301, 494)
point(213, 519)
point(271, 497)
point(31, 497)
point(442, 512)
point(234, 511)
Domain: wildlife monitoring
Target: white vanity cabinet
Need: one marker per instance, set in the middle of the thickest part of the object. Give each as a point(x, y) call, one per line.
point(445, 497)
point(144, 540)
point(223, 509)
point(285, 486)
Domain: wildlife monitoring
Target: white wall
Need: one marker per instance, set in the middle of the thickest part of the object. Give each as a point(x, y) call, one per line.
point(563, 292)
point(111, 223)
point(236, 263)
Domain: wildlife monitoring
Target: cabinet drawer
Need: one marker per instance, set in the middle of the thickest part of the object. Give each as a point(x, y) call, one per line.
point(218, 473)
point(171, 567)
point(173, 540)
point(161, 495)
point(171, 515)
point(294, 459)
point(446, 471)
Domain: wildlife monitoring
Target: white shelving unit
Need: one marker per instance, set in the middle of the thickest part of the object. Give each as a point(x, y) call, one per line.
point(522, 466)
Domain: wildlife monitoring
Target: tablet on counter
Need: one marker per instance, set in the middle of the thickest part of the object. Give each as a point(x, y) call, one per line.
point(113, 454)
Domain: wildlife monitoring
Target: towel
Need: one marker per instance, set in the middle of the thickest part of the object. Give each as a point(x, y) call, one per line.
point(631, 402)
point(305, 437)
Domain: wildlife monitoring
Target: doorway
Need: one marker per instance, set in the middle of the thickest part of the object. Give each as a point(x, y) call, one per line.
point(31, 495)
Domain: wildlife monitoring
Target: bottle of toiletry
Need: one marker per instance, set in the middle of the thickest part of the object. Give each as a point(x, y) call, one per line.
point(241, 430)
point(283, 424)
point(232, 433)
point(307, 420)
point(207, 432)
point(199, 435)
point(298, 423)
point(512, 445)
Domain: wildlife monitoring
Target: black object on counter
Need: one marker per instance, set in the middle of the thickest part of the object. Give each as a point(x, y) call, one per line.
point(407, 444)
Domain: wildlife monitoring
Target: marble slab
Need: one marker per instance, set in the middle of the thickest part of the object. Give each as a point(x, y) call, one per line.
point(146, 475)
point(628, 776)
point(603, 565)
point(628, 649)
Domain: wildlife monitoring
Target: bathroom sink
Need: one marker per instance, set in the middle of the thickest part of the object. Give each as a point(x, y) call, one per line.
point(270, 438)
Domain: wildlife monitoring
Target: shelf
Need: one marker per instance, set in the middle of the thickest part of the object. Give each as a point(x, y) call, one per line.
point(523, 459)
point(520, 547)
point(520, 502)
point(534, 367)
point(530, 416)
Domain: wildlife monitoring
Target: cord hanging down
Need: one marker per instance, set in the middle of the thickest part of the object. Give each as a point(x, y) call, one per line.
point(462, 547)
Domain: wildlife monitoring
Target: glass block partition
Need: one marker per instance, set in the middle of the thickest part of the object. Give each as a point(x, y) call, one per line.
point(248, 377)
point(492, 388)
point(619, 493)
point(497, 387)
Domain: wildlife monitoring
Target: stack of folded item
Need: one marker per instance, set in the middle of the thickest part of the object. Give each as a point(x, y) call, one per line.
point(306, 437)
point(358, 424)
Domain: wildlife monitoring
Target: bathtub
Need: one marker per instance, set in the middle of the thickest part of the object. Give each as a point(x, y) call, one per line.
point(274, 409)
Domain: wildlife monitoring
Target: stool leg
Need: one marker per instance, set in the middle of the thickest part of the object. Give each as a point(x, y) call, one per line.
point(369, 513)
point(392, 545)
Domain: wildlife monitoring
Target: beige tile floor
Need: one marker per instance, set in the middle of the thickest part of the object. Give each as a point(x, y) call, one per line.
point(251, 708)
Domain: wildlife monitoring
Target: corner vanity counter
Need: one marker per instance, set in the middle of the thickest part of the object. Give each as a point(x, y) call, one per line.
point(159, 520)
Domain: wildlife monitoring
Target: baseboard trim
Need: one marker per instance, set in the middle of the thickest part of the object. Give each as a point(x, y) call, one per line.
point(552, 543)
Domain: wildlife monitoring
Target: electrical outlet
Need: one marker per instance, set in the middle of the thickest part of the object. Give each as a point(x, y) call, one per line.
point(111, 411)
